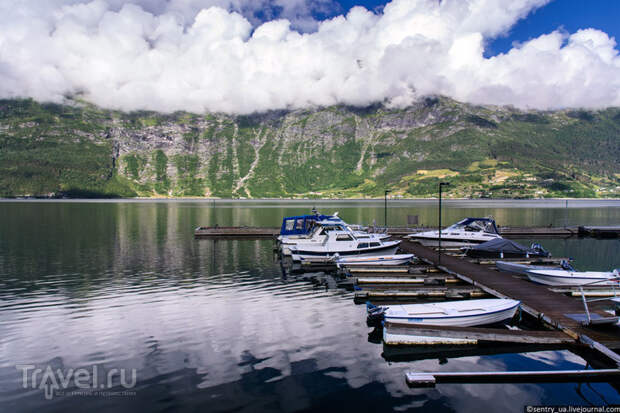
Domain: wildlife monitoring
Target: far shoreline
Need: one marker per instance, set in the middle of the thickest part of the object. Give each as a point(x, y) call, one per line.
point(308, 200)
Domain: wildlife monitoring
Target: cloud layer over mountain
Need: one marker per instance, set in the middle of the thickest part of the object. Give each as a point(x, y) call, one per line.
point(228, 56)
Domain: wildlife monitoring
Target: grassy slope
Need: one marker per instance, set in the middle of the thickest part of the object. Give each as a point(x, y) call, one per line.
point(484, 152)
point(44, 149)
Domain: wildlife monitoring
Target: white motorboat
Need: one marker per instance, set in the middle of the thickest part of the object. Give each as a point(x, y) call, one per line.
point(468, 231)
point(522, 269)
point(345, 244)
point(559, 278)
point(319, 232)
point(463, 313)
point(381, 260)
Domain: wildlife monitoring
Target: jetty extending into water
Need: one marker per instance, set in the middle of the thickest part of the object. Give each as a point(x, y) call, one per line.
point(249, 232)
point(557, 311)
point(564, 320)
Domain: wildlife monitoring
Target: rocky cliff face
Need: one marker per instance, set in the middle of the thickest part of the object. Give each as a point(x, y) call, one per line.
point(328, 152)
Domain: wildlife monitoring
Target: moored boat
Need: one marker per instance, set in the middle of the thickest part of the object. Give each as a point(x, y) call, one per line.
point(317, 233)
point(469, 231)
point(504, 248)
point(464, 313)
point(381, 260)
point(558, 278)
point(522, 269)
point(343, 243)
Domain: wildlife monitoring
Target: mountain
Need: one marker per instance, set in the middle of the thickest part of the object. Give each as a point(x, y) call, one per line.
point(83, 151)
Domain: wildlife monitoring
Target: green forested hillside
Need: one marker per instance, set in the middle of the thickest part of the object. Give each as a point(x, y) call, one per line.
point(80, 150)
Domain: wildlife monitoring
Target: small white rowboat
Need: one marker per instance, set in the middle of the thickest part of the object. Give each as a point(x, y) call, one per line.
point(522, 269)
point(382, 260)
point(574, 278)
point(464, 313)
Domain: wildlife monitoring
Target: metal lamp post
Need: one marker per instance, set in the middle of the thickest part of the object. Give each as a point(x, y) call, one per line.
point(387, 191)
point(441, 185)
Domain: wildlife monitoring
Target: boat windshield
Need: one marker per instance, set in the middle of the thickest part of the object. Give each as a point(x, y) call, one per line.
point(475, 225)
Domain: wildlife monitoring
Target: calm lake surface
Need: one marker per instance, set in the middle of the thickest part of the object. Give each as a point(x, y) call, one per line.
point(216, 326)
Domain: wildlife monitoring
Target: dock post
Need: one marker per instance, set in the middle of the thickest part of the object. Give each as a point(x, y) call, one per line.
point(387, 191)
point(441, 184)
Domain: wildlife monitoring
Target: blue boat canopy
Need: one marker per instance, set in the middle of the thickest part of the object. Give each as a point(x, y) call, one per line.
point(302, 224)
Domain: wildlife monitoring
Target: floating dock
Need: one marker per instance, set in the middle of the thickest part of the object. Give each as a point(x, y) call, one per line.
point(236, 232)
point(245, 232)
point(393, 294)
point(568, 322)
point(554, 309)
point(422, 379)
point(405, 334)
point(599, 232)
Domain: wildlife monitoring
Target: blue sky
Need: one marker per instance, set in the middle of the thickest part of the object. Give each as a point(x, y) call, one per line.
point(571, 15)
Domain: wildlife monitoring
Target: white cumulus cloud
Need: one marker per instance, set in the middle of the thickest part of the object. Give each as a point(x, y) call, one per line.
point(219, 55)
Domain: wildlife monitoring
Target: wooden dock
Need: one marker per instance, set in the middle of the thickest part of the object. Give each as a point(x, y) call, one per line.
point(554, 319)
point(552, 308)
point(408, 294)
point(236, 232)
point(406, 334)
point(423, 379)
point(245, 232)
point(599, 232)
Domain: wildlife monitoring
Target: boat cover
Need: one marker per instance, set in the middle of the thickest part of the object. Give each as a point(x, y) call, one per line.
point(302, 224)
point(499, 245)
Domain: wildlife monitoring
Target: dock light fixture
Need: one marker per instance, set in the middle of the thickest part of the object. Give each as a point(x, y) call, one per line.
point(441, 185)
point(387, 191)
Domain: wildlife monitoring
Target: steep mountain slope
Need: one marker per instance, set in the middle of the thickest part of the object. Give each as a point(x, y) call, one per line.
point(81, 150)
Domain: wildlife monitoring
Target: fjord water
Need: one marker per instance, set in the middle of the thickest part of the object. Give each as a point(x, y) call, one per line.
point(217, 326)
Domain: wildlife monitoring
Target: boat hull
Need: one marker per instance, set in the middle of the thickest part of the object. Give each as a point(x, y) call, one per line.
point(568, 278)
point(490, 313)
point(299, 255)
point(383, 260)
point(521, 269)
point(446, 242)
point(285, 246)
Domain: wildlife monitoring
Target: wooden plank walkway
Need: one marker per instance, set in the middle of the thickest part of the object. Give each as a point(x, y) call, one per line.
point(404, 334)
point(423, 379)
point(407, 294)
point(550, 307)
point(236, 232)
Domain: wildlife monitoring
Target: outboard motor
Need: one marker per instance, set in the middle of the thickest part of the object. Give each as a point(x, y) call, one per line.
point(375, 315)
point(565, 265)
point(539, 250)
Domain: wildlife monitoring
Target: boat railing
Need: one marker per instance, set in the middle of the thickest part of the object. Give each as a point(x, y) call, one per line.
point(586, 301)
